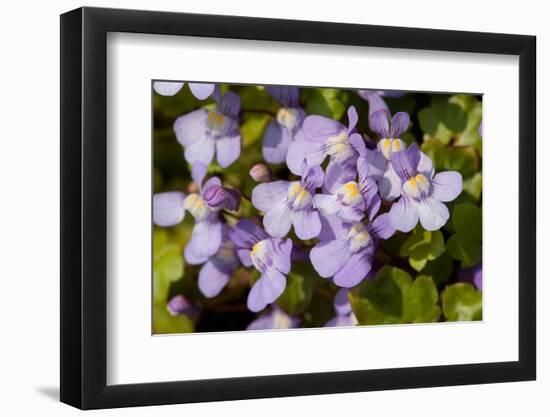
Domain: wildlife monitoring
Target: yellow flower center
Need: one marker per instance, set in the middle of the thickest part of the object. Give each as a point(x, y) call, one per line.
point(195, 205)
point(350, 193)
point(298, 196)
point(389, 145)
point(417, 186)
point(358, 237)
point(339, 147)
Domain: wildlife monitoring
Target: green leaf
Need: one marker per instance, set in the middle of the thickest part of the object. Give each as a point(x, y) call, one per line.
point(325, 102)
point(462, 302)
point(253, 127)
point(462, 249)
point(299, 288)
point(164, 322)
point(421, 302)
point(452, 158)
point(422, 246)
point(472, 186)
point(393, 297)
point(440, 269)
point(167, 265)
point(465, 244)
point(467, 220)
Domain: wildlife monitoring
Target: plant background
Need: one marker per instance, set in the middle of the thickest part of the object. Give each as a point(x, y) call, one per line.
point(420, 280)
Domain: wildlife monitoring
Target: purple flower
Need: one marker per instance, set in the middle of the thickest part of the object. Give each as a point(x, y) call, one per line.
point(472, 275)
point(346, 249)
point(389, 131)
point(282, 131)
point(351, 200)
point(326, 137)
point(169, 209)
point(180, 305)
point(205, 132)
point(376, 101)
point(275, 319)
point(218, 197)
point(271, 257)
point(344, 315)
point(217, 268)
point(422, 193)
point(290, 203)
point(169, 88)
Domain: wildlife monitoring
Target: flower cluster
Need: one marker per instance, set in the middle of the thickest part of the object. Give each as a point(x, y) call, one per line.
point(342, 194)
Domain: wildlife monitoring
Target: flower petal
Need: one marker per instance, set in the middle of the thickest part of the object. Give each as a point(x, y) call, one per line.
point(329, 257)
point(212, 280)
point(404, 162)
point(371, 164)
point(379, 122)
point(327, 203)
point(280, 251)
point(352, 118)
point(341, 302)
point(168, 208)
point(230, 104)
point(275, 143)
point(332, 228)
point(358, 143)
point(246, 234)
point(319, 128)
point(287, 96)
point(202, 90)
point(191, 127)
point(278, 219)
point(425, 166)
point(301, 150)
point(307, 223)
point(228, 149)
point(264, 195)
point(354, 270)
point(403, 215)
point(198, 172)
point(167, 88)
point(447, 186)
point(339, 173)
point(432, 213)
point(381, 227)
point(266, 290)
point(390, 184)
point(244, 257)
point(192, 258)
point(399, 124)
point(206, 237)
point(200, 151)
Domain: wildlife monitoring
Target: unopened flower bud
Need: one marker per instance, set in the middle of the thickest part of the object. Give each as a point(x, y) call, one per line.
point(217, 197)
point(180, 305)
point(260, 173)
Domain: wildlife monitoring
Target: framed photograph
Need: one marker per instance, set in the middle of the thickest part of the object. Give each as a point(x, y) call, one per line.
point(260, 208)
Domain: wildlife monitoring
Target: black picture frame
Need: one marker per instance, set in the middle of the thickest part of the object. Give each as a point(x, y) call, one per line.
point(84, 207)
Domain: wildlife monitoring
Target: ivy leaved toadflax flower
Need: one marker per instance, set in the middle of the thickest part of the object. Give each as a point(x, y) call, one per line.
point(289, 203)
point(204, 133)
point(327, 137)
point(201, 91)
point(218, 268)
point(275, 319)
point(270, 256)
point(375, 98)
point(346, 251)
point(353, 199)
point(422, 193)
point(280, 133)
point(169, 209)
point(389, 131)
point(344, 315)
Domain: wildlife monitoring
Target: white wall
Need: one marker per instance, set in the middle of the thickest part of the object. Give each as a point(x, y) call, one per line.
point(29, 172)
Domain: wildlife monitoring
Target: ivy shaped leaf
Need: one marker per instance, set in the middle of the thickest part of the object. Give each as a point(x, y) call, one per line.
point(462, 302)
point(464, 159)
point(167, 265)
point(422, 246)
point(325, 102)
point(393, 297)
point(299, 288)
point(470, 135)
point(465, 244)
point(442, 120)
